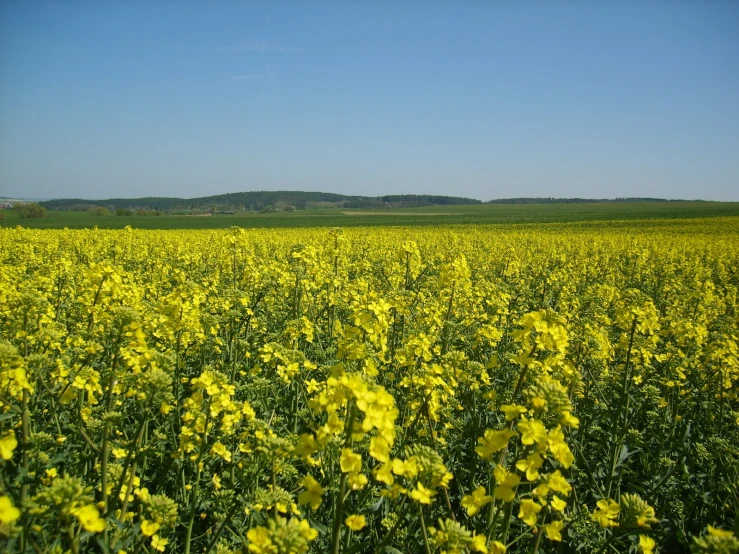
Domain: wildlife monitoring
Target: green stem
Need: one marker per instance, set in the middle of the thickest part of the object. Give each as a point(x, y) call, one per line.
point(339, 504)
point(196, 486)
point(106, 429)
point(24, 460)
point(423, 529)
point(492, 519)
point(447, 328)
point(535, 548)
point(274, 488)
point(433, 437)
point(220, 529)
point(507, 520)
point(129, 456)
point(72, 536)
point(617, 415)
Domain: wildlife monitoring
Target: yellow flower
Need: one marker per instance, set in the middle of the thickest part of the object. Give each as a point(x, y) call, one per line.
point(394, 491)
point(507, 482)
point(646, 544)
point(512, 411)
point(553, 530)
point(558, 447)
point(473, 502)
point(220, 450)
point(557, 483)
point(350, 461)
point(568, 420)
point(528, 512)
point(90, 519)
point(407, 468)
point(606, 513)
point(530, 465)
point(306, 530)
point(479, 544)
point(496, 547)
point(421, 494)
point(159, 543)
point(49, 475)
point(714, 532)
point(217, 481)
point(334, 425)
point(443, 481)
point(532, 431)
point(8, 512)
point(312, 493)
point(379, 449)
point(148, 528)
point(355, 522)
point(259, 540)
point(307, 445)
point(7, 444)
point(384, 474)
point(119, 452)
point(312, 386)
point(493, 441)
point(538, 403)
point(357, 481)
point(558, 504)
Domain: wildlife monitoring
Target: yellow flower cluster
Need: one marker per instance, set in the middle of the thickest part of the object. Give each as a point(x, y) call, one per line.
point(468, 389)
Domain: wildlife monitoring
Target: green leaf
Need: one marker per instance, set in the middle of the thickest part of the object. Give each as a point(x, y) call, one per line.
point(320, 527)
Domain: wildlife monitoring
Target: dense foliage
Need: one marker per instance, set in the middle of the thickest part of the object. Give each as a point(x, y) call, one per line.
point(533, 388)
point(30, 210)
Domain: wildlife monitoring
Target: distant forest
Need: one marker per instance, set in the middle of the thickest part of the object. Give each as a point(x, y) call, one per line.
point(261, 201)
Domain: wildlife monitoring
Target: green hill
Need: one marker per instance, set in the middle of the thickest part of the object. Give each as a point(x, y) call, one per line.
point(262, 200)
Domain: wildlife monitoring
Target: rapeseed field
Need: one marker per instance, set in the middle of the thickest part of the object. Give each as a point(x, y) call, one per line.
point(521, 389)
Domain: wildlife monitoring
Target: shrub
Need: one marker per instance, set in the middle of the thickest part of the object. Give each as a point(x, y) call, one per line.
point(99, 210)
point(124, 212)
point(30, 211)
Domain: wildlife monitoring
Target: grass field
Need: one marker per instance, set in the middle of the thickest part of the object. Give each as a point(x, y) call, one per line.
point(452, 215)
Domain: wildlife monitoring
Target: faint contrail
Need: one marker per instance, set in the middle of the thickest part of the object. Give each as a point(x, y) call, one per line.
point(270, 75)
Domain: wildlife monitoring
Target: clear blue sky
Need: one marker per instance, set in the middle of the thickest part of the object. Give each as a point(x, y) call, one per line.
point(481, 99)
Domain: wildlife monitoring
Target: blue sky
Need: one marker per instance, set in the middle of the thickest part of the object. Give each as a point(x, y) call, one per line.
point(481, 99)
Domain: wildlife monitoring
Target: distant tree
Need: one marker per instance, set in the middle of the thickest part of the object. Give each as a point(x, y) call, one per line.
point(30, 211)
point(124, 212)
point(77, 207)
point(99, 210)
